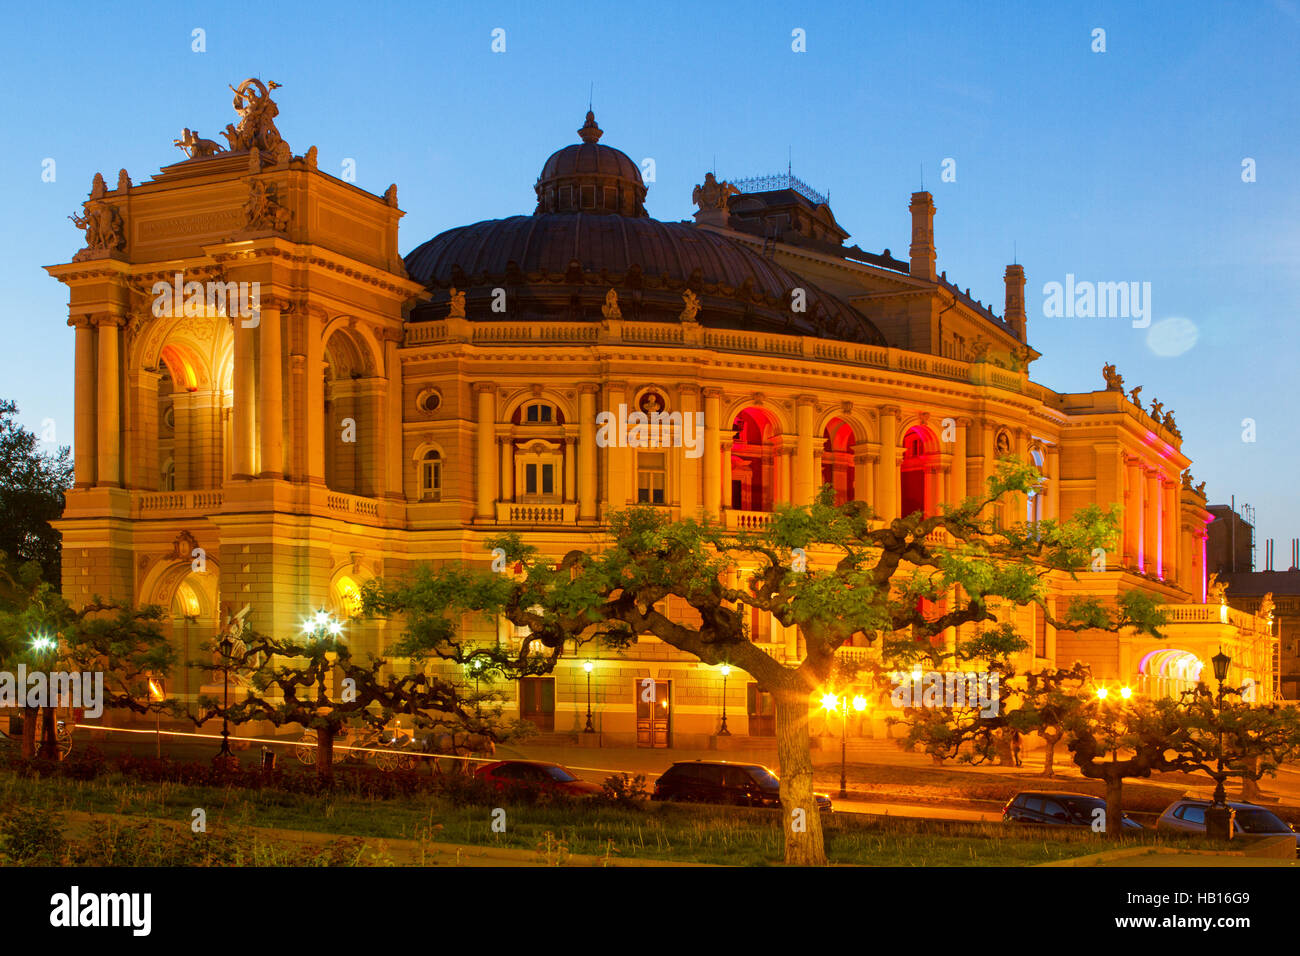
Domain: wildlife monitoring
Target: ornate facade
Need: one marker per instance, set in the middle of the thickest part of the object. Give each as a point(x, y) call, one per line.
point(358, 412)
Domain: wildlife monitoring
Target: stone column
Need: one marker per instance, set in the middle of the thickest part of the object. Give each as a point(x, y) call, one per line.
point(715, 459)
point(244, 453)
point(689, 483)
point(863, 469)
point(784, 463)
point(141, 440)
point(1132, 511)
point(314, 367)
point(508, 468)
point(1151, 522)
point(570, 469)
point(888, 502)
point(587, 452)
point(86, 399)
point(394, 448)
point(1052, 504)
point(959, 461)
point(725, 454)
point(1169, 534)
point(109, 403)
point(805, 482)
point(618, 457)
point(485, 433)
point(270, 390)
point(187, 452)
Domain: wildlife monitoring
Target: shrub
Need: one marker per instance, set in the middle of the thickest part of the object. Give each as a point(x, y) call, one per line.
point(32, 836)
point(624, 791)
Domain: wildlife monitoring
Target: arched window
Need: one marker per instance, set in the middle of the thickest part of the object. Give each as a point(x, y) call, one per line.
point(431, 476)
point(837, 459)
point(539, 413)
point(167, 481)
point(918, 470)
point(1034, 499)
point(751, 462)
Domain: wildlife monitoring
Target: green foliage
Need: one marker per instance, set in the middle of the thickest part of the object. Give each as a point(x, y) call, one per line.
point(31, 836)
point(32, 484)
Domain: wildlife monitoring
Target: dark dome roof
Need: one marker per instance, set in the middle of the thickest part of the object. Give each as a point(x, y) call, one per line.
point(591, 177)
point(649, 263)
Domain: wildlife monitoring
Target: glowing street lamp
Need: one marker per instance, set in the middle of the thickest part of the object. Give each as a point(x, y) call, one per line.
point(1218, 818)
point(1126, 692)
point(588, 666)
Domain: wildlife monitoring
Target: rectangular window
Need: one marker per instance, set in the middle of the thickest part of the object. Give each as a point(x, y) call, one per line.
point(588, 197)
point(548, 479)
point(566, 197)
point(530, 479)
point(650, 479)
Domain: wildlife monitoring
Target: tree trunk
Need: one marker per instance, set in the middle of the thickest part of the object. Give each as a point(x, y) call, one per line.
point(324, 754)
point(29, 732)
point(49, 737)
point(1249, 789)
point(1114, 806)
point(1049, 754)
point(801, 820)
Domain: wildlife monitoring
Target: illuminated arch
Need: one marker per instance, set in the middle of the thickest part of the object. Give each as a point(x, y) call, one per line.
point(838, 441)
point(1168, 671)
point(918, 471)
point(755, 431)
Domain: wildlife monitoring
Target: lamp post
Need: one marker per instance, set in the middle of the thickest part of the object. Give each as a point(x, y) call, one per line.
point(1218, 818)
point(590, 728)
point(726, 672)
point(157, 695)
point(225, 645)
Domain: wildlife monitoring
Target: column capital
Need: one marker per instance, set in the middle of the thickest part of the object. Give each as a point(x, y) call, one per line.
point(110, 319)
point(589, 388)
point(805, 400)
point(689, 388)
point(387, 333)
point(964, 422)
point(480, 387)
point(710, 392)
point(890, 410)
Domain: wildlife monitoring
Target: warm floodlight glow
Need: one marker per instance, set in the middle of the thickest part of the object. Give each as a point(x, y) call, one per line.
point(830, 702)
point(859, 703)
point(587, 666)
point(1126, 692)
point(155, 691)
point(726, 670)
point(916, 673)
point(1101, 693)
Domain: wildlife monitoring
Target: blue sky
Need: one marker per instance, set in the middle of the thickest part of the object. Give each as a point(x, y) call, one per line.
point(1115, 166)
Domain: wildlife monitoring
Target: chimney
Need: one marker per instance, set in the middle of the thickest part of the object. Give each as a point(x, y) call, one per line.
point(1015, 307)
point(922, 251)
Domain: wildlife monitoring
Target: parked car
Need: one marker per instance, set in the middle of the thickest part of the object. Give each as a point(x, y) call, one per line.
point(719, 781)
point(507, 774)
point(1057, 808)
point(1249, 821)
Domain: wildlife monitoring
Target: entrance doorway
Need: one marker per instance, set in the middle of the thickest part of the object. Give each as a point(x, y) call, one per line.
point(654, 712)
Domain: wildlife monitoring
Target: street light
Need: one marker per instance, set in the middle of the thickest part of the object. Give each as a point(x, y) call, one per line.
point(726, 672)
point(588, 666)
point(225, 645)
point(1218, 818)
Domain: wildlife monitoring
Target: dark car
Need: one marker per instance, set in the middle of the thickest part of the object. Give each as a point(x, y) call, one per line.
point(1058, 808)
point(1249, 821)
point(719, 781)
point(535, 774)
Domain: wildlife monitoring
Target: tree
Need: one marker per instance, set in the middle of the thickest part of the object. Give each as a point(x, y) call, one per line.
point(834, 572)
point(1146, 731)
point(1047, 702)
point(288, 684)
point(32, 483)
point(112, 640)
point(1254, 740)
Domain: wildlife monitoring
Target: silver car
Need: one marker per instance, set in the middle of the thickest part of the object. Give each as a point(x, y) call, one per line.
point(1250, 822)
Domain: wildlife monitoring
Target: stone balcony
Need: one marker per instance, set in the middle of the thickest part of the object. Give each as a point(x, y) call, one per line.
point(532, 515)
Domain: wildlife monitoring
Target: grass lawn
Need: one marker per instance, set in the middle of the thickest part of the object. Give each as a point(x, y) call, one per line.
point(720, 835)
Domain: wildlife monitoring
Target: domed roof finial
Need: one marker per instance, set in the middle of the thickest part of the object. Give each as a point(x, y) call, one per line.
point(590, 132)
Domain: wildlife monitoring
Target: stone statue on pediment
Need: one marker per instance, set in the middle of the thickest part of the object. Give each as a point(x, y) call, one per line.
point(610, 309)
point(104, 230)
point(457, 310)
point(1133, 396)
point(1156, 407)
point(713, 194)
point(196, 147)
point(256, 129)
point(1216, 590)
point(1114, 380)
point(692, 306)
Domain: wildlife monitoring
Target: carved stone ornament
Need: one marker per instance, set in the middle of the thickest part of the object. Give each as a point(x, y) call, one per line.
point(692, 306)
point(263, 210)
point(713, 194)
point(610, 309)
point(1114, 381)
point(457, 310)
point(196, 147)
point(104, 231)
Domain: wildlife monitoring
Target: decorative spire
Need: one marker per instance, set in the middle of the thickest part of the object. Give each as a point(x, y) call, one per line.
point(590, 132)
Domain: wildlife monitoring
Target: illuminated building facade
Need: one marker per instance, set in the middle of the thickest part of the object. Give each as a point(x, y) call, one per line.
point(373, 411)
